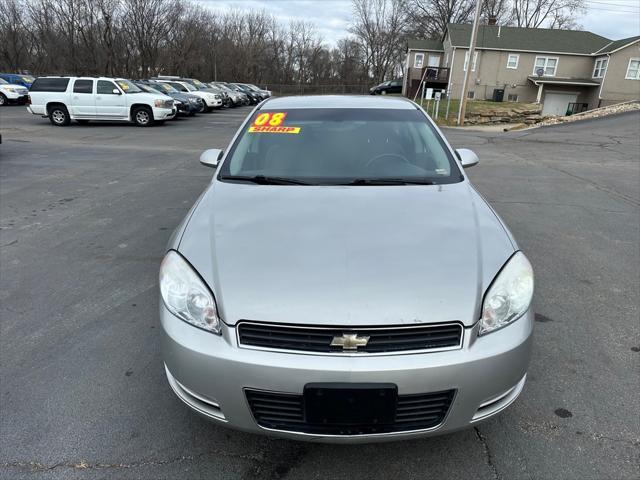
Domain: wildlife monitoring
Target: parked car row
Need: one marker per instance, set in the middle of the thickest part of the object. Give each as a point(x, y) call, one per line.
point(145, 102)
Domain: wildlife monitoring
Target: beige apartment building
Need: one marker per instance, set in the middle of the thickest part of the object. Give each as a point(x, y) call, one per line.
point(567, 71)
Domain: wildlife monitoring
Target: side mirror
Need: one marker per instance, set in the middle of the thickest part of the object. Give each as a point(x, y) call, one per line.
point(467, 157)
point(115, 91)
point(209, 158)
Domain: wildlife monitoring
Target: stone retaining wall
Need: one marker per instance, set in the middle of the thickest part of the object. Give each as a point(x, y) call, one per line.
point(527, 115)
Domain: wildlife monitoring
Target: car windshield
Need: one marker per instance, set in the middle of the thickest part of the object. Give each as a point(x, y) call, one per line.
point(127, 86)
point(165, 87)
point(28, 78)
point(340, 146)
point(149, 89)
point(198, 84)
point(184, 86)
point(3, 81)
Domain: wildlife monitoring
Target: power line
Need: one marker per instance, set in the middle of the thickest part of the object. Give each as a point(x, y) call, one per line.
point(613, 11)
point(611, 4)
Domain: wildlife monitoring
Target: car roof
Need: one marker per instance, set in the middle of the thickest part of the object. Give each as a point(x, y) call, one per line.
point(339, 101)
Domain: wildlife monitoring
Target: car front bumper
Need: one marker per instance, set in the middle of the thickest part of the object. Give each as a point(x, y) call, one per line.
point(209, 373)
point(164, 113)
point(14, 97)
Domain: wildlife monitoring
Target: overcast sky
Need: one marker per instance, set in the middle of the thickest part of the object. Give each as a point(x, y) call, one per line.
point(613, 19)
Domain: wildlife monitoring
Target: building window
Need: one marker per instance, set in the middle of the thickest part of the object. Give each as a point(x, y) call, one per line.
point(466, 61)
point(512, 97)
point(418, 61)
point(600, 68)
point(548, 65)
point(471, 95)
point(512, 61)
point(446, 60)
point(633, 69)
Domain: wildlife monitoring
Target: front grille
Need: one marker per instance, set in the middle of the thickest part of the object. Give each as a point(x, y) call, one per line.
point(283, 411)
point(381, 340)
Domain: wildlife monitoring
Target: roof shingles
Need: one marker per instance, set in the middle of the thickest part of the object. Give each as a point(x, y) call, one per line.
point(531, 39)
point(618, 44)
point(425, 44)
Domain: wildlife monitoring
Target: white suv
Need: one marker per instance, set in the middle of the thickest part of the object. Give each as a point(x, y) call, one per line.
point(10, 93)
point(63, 99)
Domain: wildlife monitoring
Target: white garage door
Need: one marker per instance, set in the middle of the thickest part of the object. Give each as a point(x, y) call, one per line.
point(557, 103)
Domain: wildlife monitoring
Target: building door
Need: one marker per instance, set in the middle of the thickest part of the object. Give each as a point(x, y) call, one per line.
point(556, 103)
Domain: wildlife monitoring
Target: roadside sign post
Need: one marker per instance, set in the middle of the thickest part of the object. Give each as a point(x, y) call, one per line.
point(446, 116)
point(428, 94)
point(437, 105)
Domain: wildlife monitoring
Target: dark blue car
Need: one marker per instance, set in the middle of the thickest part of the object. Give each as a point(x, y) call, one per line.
point(18, 79)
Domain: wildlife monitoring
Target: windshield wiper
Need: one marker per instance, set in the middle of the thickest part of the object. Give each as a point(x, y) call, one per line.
point(264, 179)
point(388, 181)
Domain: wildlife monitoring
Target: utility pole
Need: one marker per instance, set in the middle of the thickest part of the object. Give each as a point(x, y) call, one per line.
point(472, 50)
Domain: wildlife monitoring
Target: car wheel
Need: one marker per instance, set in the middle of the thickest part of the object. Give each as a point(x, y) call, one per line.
point(143, 117)
point(82, 122)
point(202, 108)
point(383, 92)
point(59, 116)
point(3, 100)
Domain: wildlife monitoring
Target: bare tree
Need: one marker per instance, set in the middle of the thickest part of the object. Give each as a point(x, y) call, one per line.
point(379, 26)
point(498, 10)
point(148, 24)
point(429, 18)
point(14, 43)
point(547, 13)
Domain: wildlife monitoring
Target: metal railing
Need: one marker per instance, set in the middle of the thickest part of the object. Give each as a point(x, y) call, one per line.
point(306, 89)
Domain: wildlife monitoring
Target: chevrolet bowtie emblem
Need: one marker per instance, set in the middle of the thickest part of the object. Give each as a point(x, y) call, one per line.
point(349, 341)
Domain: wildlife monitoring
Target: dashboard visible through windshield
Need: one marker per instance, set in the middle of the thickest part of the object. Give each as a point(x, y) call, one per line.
point(340, 147)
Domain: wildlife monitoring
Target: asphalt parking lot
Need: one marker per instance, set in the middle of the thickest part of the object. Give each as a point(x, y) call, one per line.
point(85, 212)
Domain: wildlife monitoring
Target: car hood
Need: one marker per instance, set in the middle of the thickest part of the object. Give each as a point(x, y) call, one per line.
point(183, 97)
point(149, 97)
point(337, 255)
point(13, 85)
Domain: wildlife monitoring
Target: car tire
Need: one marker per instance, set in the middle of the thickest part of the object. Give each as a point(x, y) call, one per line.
point(3, 100)
point(83, 122)
point(383, 92)
point(59, 116)
point(142, 116)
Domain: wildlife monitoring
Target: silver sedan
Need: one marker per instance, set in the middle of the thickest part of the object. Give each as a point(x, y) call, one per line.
point(341, 280)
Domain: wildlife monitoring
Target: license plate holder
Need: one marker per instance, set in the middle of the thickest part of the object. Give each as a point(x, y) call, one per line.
point(350, 403)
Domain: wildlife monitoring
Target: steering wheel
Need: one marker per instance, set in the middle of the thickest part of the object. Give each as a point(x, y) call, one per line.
point(371, 161)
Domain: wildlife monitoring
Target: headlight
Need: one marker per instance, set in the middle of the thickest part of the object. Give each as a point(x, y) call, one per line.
point(185, 294)
point(12, 90)
point(159, 103)
point(509, 296)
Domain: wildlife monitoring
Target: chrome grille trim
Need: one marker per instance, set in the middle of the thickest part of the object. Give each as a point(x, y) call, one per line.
point(330, 330)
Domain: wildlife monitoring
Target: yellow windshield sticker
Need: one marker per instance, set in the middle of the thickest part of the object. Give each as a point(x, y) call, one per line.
point(272, 119)
point(269, 129)
point(271, 122)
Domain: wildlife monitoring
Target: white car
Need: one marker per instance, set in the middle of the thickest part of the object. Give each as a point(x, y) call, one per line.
point(10, 93)
point(211, 100)
point(62, 99)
